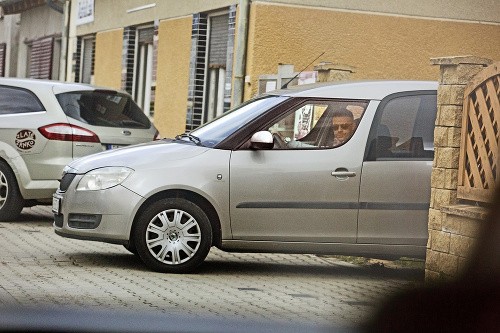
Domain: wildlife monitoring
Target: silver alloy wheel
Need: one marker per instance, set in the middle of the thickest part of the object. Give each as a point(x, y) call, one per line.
point(4, 189)
point(173, 236)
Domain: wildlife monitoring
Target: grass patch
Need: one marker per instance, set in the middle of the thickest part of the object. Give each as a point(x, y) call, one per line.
point(410, 263)
point(353, 260)
point(402, 262)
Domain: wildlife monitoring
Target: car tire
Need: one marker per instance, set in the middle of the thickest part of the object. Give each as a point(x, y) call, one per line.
point(11, 200)
point(173, 235)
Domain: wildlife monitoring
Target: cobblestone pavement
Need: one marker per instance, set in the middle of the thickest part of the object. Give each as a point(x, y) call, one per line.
point(39, 268)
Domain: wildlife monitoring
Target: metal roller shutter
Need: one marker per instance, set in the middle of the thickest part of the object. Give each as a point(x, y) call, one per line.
point(41, 58)
point(219, 34)
point(146, 35)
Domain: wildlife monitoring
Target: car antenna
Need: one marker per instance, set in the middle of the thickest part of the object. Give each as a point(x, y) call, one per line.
point(293, 78)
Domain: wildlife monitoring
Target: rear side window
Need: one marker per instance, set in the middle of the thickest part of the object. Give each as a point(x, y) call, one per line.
point(18, 100)
point(103, 108)
point(404, 128)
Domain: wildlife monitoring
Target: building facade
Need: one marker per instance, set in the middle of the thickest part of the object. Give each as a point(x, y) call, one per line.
point(179, 58)
point(32, 38)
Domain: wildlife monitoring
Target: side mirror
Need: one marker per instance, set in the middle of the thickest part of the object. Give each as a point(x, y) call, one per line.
point(262, 140)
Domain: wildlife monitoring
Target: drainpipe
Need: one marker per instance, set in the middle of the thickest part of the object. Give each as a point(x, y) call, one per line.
point(64, 41)
point(241, 52)
point(65, 10)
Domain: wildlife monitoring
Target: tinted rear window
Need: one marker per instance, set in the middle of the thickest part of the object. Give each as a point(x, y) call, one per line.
point(102, 108)
point(18, 100)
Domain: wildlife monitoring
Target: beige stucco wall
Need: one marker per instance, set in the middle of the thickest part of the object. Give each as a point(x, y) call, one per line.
point(108, 58)
point(477, 10)
point(174, 47)
point(379, 46)
point(112, 14)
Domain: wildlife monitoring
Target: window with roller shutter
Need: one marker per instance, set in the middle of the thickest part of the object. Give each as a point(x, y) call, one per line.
point(40, 58)
point(210, 73)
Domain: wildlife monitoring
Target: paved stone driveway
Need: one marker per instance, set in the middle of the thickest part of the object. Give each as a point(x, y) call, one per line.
point(39, 268)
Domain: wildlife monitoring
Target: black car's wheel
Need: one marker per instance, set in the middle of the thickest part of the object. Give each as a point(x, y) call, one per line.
point(173, 235)
point(11, 200)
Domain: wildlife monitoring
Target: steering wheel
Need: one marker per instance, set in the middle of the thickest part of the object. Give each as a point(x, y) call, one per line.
point(278, 141)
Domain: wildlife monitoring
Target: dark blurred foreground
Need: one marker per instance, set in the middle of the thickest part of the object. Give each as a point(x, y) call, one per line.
point(469, 304)
point(78, 321)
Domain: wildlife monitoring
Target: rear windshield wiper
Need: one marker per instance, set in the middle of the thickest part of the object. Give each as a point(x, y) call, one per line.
point(191, 137)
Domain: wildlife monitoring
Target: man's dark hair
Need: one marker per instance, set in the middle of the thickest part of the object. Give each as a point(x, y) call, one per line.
point(343, 113)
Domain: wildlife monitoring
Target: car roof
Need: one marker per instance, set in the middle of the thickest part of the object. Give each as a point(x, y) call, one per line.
point(56, 86)
point(373, 90)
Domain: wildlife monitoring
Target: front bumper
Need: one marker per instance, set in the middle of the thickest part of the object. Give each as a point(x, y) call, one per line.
point(105, 215)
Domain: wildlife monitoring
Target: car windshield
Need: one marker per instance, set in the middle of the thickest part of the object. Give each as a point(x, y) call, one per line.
point(213, 132)
point(103, 108)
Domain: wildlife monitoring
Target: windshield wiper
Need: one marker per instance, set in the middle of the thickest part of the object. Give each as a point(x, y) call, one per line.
point(191, 138)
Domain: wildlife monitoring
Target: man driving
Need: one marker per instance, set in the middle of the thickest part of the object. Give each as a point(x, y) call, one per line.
point(331, 130)
point(343, 126)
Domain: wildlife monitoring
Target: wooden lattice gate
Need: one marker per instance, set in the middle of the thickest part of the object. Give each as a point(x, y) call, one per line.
point(479, 167)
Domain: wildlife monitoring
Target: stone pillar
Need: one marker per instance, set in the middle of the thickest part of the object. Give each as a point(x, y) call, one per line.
point(328, 71)
point(455, 73)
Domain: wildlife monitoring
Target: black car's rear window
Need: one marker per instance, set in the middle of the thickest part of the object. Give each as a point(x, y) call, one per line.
point(103, 108)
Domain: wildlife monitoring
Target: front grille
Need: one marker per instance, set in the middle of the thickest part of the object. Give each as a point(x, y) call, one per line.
point(66, 181)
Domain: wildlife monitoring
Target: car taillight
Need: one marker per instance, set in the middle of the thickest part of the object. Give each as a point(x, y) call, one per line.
point(157, 136)
point(67, 132)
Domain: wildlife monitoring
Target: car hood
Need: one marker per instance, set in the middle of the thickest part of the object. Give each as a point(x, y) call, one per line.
point(137, 156)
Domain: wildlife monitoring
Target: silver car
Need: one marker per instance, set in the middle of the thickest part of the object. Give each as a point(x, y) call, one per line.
point(338, 168)
point(44, 125)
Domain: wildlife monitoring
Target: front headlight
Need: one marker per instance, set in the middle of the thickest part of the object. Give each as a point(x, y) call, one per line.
point(103, 178)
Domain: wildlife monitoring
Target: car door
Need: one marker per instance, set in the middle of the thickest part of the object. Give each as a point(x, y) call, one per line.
point(395, 184)
point(301, 192)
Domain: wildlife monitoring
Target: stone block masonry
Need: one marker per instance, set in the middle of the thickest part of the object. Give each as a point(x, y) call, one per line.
point(453, 228)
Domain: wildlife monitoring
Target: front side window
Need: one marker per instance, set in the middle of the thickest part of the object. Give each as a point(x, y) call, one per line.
point(103, 108)
point(16, 100)
point(317, 124)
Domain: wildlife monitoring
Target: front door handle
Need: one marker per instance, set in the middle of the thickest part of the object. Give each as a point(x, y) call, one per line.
point(343, 174)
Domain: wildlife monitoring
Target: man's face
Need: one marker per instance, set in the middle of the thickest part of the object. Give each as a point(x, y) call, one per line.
point(342, 127)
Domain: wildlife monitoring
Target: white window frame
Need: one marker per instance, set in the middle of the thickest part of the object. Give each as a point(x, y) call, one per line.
point(85, 40)
point(141, 96)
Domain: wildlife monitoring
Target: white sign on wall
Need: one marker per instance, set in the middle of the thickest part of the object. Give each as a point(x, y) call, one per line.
point(85, 12)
